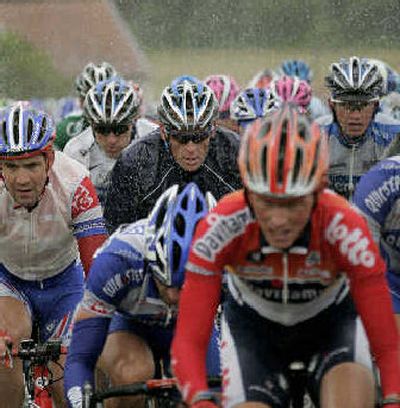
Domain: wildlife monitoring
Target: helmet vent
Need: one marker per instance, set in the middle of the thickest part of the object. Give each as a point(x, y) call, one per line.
point(297, 165)
point(30, 129)
point(282, 151)
point(314, 167)
point(177, 253)
point(108, 107)
point(179, 224)
point(264, 162)
point(16, 126)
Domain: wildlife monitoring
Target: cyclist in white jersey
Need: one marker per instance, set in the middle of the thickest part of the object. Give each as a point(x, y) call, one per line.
point(50, 225)
point(111, 107)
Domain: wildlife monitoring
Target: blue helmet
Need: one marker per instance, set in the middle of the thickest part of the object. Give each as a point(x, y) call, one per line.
point(297, 68)
point(171, 225)
point(182, 78)
point(252, 103)
point(24, 131)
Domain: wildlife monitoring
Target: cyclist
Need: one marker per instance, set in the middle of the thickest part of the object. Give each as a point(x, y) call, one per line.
point(137, 275)
point(300, 69)
point(50, 225)
point(378, 197)
point(357, 134)
point(187, 147)
point(75, 123)
point(297, 256)
point(111, 108)
point(225, 89)
point(292, 90)
point(250, 104)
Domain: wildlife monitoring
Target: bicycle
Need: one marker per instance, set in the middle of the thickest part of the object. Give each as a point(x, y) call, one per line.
point(37, 375)
point(160, 393)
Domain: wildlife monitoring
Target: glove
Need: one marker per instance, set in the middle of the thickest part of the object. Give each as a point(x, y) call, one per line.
point(391, 402)
point(5, 349)
point(208, 404)
point(205, 399)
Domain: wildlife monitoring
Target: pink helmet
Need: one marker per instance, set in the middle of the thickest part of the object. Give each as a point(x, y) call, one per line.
point(292, 90)
point(225, 89)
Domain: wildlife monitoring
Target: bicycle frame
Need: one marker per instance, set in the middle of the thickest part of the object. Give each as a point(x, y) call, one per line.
point(37, 376)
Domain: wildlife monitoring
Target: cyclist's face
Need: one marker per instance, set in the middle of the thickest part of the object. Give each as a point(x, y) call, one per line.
point(282, 220)
point(169, 295)
point(190, 155)
point(25, 179)
point(354, 118)
point(113, 142)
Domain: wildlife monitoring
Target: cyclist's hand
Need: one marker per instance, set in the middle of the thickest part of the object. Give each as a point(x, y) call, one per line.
point(205, 399)
point(204, 404)
point(391, 401)
point(5, 349)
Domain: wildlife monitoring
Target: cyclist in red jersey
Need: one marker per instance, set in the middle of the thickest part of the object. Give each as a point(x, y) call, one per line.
point(300, 261)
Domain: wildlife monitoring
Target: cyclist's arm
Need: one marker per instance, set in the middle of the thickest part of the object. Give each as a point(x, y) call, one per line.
point(360, 258)
point(92, 321)
point(198, 305)
point(88, 223)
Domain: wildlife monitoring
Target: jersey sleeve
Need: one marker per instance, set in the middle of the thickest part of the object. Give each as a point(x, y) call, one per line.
point(199, 300)
point(87, 221)
point(376, 193)
point(353, 248)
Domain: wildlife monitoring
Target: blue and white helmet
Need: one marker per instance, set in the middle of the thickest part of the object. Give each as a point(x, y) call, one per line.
point(188, 106)
point(93, 74)
point(170, 229)
point(355, 79)
point(297, 68)
point(185, 78)
point(25, 131)
point(253, 103)
point(112, 101)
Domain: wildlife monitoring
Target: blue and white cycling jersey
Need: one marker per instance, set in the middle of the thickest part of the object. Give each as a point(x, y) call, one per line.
point(120, 280)
point(378, 197)
point(349, 161)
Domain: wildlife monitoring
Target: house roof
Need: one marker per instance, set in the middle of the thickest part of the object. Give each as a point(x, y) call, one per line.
point(74, 32)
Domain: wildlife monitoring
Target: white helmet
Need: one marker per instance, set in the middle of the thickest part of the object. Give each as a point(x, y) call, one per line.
point(355, 79)
point(93, 74)
point(112, 101)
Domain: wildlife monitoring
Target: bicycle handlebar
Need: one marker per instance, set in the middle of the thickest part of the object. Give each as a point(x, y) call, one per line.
point(156, 387)
point(29, 350)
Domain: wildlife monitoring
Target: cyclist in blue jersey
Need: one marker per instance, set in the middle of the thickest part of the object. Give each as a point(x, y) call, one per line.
point(132, 295)
point(378, 197)
point(358, 135)
point(251, 104)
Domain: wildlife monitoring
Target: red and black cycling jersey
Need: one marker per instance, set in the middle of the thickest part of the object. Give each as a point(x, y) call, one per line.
point(335, 253)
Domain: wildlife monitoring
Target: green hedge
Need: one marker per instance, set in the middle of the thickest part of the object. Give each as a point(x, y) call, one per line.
point(27, 72)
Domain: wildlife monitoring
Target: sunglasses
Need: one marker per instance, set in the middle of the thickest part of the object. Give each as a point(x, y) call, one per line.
point(354, 105)
point(186, 137)
point(114, 128)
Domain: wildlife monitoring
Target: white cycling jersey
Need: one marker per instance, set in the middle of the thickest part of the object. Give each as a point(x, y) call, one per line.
point(39, 244)
point(84, 149)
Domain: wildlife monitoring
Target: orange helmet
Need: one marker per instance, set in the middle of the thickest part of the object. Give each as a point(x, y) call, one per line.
point(284, 155)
